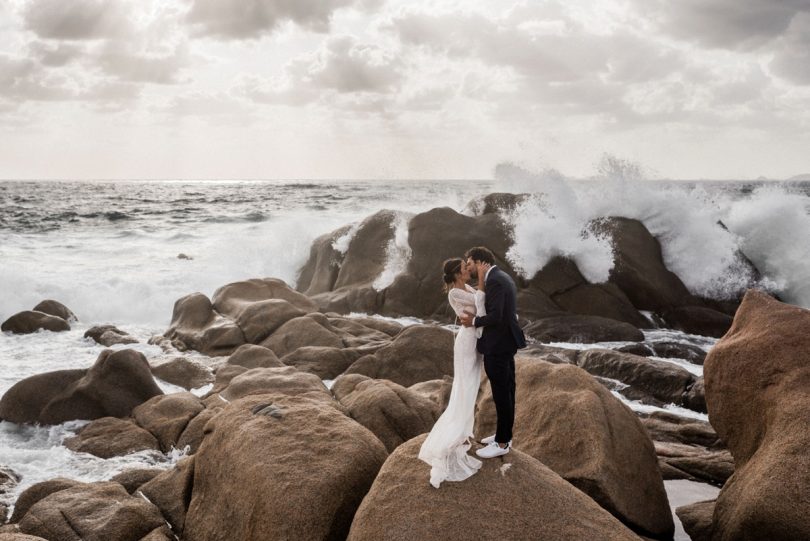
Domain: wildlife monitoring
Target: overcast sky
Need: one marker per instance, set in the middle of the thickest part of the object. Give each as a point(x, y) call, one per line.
point(402, 89)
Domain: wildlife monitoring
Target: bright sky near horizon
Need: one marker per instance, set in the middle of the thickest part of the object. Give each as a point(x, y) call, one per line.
point(402, 89)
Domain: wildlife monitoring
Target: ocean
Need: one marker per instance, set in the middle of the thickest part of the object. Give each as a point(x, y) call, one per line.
point(122, 252)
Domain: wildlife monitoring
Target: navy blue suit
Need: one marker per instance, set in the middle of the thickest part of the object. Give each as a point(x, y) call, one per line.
point(500, 340)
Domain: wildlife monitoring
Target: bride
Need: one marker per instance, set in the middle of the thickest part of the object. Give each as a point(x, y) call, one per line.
point(445, 448)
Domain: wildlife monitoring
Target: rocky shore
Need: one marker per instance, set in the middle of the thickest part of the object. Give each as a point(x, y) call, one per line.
point(306, 419)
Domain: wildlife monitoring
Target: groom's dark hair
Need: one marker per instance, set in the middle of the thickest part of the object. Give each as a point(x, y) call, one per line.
point(479, 253)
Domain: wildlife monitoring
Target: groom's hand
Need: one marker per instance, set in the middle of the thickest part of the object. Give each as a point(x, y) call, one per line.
point(467, 319)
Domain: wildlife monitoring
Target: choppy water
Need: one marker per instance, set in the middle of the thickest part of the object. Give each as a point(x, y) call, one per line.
point(108, 250)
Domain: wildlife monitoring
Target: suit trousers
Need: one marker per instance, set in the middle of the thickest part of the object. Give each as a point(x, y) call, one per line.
point(500, 369)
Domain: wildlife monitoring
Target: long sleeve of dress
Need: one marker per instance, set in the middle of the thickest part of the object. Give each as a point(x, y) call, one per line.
point(480, 309)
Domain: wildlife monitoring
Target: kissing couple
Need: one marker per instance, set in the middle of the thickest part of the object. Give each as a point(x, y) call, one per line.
point(489, 335)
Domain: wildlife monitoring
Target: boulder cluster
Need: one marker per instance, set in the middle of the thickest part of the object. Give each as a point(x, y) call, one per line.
point(49, 315)
point(561, 304)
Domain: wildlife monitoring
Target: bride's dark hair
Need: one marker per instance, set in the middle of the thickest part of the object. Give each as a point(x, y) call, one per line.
point(451, 267)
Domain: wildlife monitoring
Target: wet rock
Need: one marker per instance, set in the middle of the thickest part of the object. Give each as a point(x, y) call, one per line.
point(168, 416)
point(31, 321)
point(697, 320)
point(109, 436)
point(57, 309)
point(92, 511)
point(576, 427)
point(319, 273)
point(582, 329)
point(639, 348)
point(419, 353)
point(393, 413)
point(253, 356)
point(109, 335)
point(268, 453)
point(756, 380)
point(112, 387)
point(539, 504)
point(660, 379)
point(679, 350)
point(668, 427)
point(195, 325)
point(184, 373)
point(695, 397)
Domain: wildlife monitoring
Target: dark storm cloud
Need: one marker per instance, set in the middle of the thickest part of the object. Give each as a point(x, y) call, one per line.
point(723, 23)
point(77, 19)
point(246, 19)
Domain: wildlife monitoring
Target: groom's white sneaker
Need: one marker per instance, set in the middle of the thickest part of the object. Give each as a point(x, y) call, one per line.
point(490, 439)
point(492, 450)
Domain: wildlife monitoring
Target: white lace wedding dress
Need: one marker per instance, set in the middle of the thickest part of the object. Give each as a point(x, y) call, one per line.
point(445, 448)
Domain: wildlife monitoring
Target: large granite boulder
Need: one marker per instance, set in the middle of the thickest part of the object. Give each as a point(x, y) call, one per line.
point(167, 416)
point(31, 321)
point(698, 320)
point(110, 436)
point(93, 511)
point(582, 329)
point(183, 372)
point(697, 519)
point(393, 413)
point(231, 299)
point(300, 467)
point(419, 353)
point(310, 330)
point(575, 426)
point(515, 498)
point(756, 381)
point(324, 362)
point(286, 380)
point(170, 491)
point(253, 356)
point(662, 380)
point(196, 325)
point(112, 387)
point(57, 309)
point(37, 492)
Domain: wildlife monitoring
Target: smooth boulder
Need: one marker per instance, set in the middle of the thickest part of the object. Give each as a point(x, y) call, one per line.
point(756, 381)
point(300, 466)
point(117, 382)
point(582, 329)
point(109, 436)
point(575, 426)
point(31, 321)
point(515, 497)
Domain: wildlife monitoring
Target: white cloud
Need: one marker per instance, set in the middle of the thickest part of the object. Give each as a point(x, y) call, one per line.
point(78, 19)
point(246, 19)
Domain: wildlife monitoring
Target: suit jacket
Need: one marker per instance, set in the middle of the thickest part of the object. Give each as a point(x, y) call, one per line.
point(502, 333)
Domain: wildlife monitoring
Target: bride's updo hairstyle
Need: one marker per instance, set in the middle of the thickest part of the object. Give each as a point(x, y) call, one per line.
point(451, 268)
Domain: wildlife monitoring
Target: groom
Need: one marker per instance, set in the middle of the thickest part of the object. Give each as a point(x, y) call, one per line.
point(500, 340)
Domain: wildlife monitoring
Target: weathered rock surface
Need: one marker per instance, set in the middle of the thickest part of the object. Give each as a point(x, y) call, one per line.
point(576, 427)
point(170, 491)
point(533, 503)
point(393, 413)
point(437, 390)
point(310, 330)
point(324, 362)
point(419, 353)
point(110, 436)
point(253, 356)
point(698, 320)
point(756, 381)
point(269, 454)
point(694, 462)
point(167, 416)
point(112, 387)
point(92, 511)
point(287, 381)
point(37, 492)
point(132, 480)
